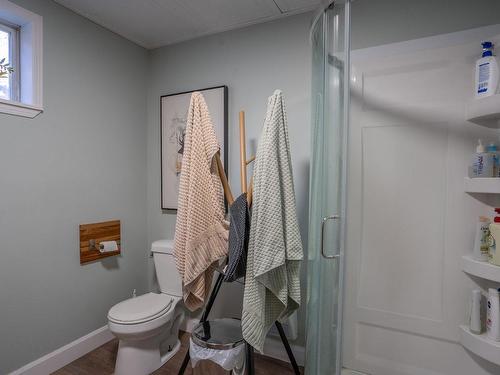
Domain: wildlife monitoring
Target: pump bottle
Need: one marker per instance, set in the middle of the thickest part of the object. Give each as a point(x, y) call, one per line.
point(486, 72)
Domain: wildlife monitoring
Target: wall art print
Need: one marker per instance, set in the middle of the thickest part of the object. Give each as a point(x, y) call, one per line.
point(173, 117)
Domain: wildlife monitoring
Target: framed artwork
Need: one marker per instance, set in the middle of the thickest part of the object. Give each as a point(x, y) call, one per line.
point(173, 117)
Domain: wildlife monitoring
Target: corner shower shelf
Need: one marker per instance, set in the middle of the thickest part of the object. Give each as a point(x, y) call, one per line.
point(489, 185)
point(480, 345)
point(483, 270)
point(485, 111)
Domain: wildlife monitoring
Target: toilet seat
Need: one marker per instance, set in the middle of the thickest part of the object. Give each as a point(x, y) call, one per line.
point(141, 309)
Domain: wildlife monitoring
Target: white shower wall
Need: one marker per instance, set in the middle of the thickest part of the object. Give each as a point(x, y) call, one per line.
point(409, 220)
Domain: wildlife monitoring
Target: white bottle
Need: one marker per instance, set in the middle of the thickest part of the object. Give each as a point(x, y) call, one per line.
point(475, 312)
point(481, 244)
point(482, 162)
point(493, 315)
point(486, 72)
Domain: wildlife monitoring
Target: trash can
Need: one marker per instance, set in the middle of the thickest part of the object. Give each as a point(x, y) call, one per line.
point(219, 341)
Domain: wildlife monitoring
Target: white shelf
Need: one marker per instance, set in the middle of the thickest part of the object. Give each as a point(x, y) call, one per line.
point(485, 111)
point(489, 185)
point(484, 270)
point(480, 345)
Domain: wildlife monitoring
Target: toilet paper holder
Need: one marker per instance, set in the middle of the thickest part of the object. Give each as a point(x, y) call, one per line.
point(92, 245)
point(95, 240)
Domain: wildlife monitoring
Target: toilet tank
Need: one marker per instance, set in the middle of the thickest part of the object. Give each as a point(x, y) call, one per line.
point(166, 271)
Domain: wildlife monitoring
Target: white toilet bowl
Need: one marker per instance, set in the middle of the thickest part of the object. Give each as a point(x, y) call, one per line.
point(148, 326)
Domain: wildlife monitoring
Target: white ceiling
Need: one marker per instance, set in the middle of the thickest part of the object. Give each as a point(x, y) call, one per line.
point(155, 23)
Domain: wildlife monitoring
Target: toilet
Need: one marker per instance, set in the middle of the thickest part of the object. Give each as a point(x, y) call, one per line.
point(147, 326)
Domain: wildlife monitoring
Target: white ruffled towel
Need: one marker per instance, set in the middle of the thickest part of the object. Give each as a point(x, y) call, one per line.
point(272, 284)
point(201, 233)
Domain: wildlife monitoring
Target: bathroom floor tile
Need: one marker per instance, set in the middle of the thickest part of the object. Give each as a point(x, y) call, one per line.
point(101, 361)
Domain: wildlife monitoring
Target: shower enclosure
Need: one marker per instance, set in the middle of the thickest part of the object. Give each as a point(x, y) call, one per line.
point(330, 108)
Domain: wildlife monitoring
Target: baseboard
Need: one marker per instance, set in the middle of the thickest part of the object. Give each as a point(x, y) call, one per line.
point(274, 348)
point(66, 354)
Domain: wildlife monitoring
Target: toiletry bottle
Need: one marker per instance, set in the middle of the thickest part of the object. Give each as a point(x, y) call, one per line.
point(494, 238)
point(481, 244)
point(493, 150)
point(486, 72)
point(482, 162)
point(493, 315)
point(475, 312)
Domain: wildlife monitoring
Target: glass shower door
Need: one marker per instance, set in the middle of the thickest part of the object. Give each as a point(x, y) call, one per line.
point(330, 104)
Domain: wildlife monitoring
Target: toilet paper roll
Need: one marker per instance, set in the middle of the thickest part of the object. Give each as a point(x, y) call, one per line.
point(107, 246)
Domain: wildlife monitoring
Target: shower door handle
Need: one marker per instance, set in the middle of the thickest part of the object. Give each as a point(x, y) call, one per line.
point(323, 223)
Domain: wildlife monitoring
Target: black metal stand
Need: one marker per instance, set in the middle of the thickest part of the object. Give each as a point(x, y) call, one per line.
point(288, 348)
point(204, 316)
point(250, 361)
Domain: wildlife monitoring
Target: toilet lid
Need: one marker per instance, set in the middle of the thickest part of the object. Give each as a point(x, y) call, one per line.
point(141, 309)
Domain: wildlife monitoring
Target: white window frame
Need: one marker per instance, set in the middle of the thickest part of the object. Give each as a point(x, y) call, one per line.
point(29, 102)
point(14, 50)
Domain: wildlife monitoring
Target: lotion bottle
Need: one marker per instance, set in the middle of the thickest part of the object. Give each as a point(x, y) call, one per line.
point(486, 72)
point(493, 315)
point(481, 244)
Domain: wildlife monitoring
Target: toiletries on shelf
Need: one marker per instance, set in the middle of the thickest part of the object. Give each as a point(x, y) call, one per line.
point(486, 72)
point(493, 150)
point(475, 312)
point(481, 244)
point(494, 239)
point(493, 315)
point(482, 162)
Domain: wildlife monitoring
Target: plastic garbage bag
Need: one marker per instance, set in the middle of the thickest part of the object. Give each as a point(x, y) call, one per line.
point(228, 359)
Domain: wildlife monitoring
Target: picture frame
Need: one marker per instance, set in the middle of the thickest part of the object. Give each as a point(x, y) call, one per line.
point(173, 117)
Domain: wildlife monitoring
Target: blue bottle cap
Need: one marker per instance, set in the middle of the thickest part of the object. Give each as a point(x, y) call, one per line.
point(487, 44)
point(491, 147)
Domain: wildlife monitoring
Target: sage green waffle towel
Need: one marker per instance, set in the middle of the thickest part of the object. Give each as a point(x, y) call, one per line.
point(272, 284)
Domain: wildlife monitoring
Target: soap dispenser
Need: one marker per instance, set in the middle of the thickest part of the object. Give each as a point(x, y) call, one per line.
point(486, 72)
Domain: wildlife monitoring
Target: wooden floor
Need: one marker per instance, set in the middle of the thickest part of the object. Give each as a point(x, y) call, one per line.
point(102, 362)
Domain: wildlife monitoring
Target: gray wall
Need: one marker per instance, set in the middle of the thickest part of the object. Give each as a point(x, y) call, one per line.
point(82, 160)
point(252, 62)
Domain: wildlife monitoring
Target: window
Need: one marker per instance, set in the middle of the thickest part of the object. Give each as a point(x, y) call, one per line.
point(21, 47)
point(9, 54)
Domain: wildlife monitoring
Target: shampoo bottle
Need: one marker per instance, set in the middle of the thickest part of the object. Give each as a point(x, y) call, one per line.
point(493, 315)
point(475, 312)
point(493, 239)
point(486, 72)
point(493, 150)
point(481, 244)
point(482, 162)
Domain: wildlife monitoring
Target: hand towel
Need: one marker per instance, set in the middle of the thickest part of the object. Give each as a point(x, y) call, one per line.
point(238, 239)
point(201, 233)
point(272, 283)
